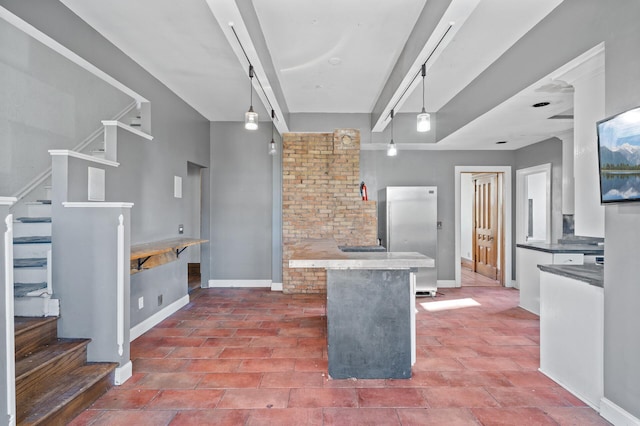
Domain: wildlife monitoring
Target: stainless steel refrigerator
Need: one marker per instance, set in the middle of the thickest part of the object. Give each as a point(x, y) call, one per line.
point(408, 221)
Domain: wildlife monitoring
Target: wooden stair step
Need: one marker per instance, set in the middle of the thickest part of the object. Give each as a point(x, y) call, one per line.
point(38, 370)
point(31, 333)
point(67, 395)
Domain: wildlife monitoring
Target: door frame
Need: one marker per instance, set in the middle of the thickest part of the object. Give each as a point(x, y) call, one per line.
point(508, 249)
point(521, 199)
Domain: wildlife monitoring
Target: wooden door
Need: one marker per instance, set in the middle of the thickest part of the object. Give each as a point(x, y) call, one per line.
point(485, 228)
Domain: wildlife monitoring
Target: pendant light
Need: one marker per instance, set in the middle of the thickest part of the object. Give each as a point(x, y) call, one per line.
point(424, 119)
point(392, 151)
point(272, 144)
point(251, 117)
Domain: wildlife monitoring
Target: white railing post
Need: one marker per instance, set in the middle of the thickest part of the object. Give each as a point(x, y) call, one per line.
point(120, 286)
point(9, 332)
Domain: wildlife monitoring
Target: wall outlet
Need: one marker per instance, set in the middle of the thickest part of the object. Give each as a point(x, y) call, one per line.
point(159, 300)
point(181, 229)
point(140, 302)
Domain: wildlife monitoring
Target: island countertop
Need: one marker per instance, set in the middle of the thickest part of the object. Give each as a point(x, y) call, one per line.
point(324, 253)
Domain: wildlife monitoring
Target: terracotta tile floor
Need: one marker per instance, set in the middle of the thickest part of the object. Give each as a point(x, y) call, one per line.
point(256, 357)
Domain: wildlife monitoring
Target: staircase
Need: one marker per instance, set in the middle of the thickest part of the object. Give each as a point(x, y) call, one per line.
point(54, 383)
point(32, 263)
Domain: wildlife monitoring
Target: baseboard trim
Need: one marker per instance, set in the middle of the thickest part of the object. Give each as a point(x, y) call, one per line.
point(466, 263)
point(146, 325)
point(239, 283)
point(447, 284)
point(276, 286)
point(616, 414)
point(123, 373)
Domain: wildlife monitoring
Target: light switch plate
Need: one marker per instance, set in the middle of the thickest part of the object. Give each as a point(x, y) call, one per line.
point(177, 187)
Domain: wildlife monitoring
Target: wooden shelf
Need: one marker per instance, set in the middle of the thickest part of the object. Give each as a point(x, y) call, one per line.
point(156, 253)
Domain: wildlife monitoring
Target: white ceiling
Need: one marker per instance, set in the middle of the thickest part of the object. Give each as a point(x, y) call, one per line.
point(329, 56)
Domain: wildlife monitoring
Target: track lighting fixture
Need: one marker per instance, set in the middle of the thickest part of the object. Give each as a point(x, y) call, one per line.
point(251, 117)
point(272, 144)
point(392, 151)
point(424, 119)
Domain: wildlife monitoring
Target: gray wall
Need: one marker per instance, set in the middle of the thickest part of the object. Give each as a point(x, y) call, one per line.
point(549, 151)
point(430, 168)
point(181, 135)
point(621, 32)
point(242, 202)
point(47, 102)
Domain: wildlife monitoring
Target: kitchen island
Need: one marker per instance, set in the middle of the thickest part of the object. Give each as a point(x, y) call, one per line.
point(370, 308)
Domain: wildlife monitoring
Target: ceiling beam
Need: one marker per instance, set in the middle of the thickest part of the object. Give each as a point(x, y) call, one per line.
point(435, 28)
point(246, 26)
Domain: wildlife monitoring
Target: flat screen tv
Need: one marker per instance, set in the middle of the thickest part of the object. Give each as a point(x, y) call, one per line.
point(619, 157)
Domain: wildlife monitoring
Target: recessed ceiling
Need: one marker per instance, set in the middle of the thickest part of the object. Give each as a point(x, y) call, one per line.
point(335, 55)
point(330, 56)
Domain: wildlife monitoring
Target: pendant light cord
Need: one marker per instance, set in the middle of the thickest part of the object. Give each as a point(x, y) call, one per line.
point(251, 68)
point(423, 67)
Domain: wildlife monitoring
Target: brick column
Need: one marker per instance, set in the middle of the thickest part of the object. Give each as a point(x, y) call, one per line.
point(321, 199)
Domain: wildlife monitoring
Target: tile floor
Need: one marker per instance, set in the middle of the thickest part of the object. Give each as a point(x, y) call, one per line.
point(256, 357)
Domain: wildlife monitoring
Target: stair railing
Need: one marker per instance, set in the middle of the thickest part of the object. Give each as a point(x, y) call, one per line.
point(10, 368)
point(42, 177)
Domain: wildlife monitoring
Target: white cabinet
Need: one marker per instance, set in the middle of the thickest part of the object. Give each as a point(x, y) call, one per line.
point(571, 335)
point(528, 274)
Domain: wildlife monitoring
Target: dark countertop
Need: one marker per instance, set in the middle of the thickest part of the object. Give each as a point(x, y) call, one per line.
point(590, 273)
point(589, 249)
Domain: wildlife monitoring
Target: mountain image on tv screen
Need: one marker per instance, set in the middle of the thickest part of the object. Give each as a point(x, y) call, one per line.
point(619, 157)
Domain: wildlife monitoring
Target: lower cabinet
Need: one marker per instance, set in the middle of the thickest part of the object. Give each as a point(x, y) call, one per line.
point(572, 336)
point(528, 274)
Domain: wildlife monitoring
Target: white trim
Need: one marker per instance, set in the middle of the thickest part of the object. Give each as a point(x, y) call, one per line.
point(521, 187)
point(508, 258)
point(146, 325)
point(7, 201)
point(120, 278)
point(73, 57)
point(239, 283)
point(276, 286)
point(127, 128)
point(123, 373)
point(97, 204)
point(9, 343)
point(616, 414)
point(447, 284)
point(81, 156)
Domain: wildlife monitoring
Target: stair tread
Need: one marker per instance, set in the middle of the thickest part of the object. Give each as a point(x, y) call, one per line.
point(23, 289)
point(25, 324)
point(47, 355)
point(34, 219)
point(30, 262)
point(63, 390)
point(36, 239)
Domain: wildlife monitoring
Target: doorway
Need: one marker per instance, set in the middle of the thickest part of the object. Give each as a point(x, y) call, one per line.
point(193, 228)
point(533, 204)
point(468, 255)
point(482, 217)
